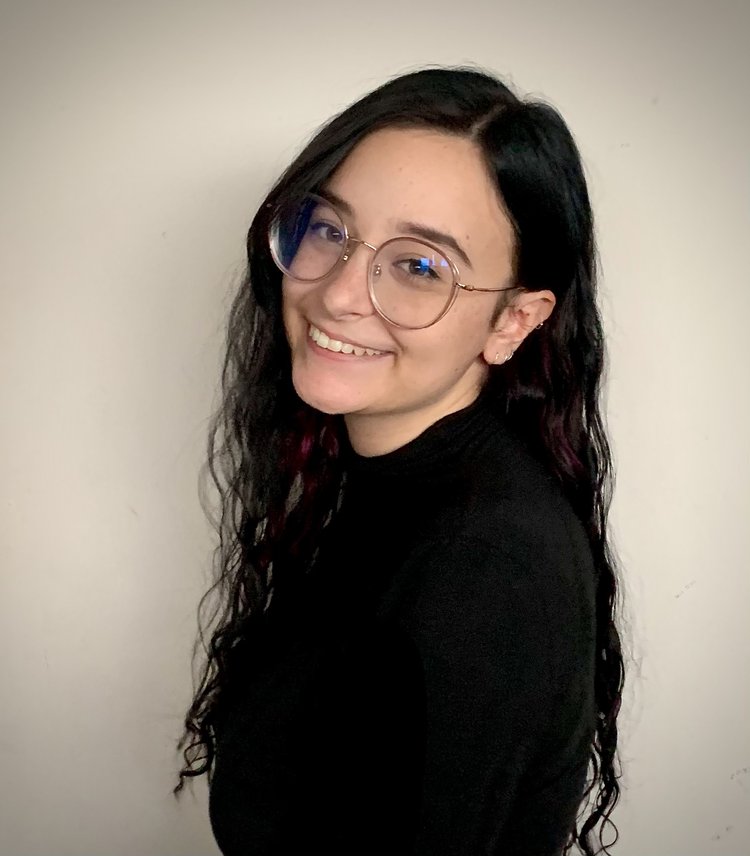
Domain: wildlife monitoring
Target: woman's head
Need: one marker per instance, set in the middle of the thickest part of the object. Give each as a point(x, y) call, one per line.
point(405, 182)
point(455, 151)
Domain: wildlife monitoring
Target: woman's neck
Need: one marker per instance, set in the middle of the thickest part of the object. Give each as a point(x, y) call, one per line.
point(376, 434)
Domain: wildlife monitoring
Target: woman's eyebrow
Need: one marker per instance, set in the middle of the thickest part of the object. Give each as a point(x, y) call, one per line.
point(436, 236)
point(418, 230)
point(336, 200)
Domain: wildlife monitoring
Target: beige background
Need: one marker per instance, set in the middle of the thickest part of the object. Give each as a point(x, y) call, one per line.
point(136, 140)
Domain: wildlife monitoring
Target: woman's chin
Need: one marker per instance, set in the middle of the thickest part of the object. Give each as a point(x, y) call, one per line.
point(331, 401)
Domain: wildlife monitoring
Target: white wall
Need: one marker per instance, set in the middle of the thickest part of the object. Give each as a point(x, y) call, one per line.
point(136, 140)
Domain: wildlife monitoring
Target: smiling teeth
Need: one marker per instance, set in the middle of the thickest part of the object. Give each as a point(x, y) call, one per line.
point(322, 340)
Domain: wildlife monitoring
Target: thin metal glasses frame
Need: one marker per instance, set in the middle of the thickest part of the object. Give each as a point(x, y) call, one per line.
point(347, 253)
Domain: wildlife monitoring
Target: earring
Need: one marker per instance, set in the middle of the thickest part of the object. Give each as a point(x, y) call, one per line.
point(507, 357)
point(539, 325)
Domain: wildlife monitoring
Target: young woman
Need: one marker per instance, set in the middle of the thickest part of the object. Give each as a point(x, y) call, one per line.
point(414, 649)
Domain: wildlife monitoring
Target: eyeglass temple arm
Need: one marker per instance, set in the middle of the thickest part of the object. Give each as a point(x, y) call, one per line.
point(476, 288)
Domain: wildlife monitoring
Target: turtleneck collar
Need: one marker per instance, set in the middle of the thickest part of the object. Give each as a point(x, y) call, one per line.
point(441, 446)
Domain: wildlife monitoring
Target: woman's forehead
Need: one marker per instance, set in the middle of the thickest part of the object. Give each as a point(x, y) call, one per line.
point(425, 176)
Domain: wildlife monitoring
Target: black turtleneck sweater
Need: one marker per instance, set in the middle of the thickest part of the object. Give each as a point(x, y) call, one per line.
point(430, 689)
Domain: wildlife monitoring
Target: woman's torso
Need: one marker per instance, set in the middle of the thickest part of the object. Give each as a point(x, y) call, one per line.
point(430, 688)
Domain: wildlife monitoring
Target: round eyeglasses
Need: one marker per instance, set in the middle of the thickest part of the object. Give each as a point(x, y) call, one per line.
point(411, 282)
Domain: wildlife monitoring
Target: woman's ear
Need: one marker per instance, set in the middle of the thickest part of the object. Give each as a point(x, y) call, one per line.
point(527, 312)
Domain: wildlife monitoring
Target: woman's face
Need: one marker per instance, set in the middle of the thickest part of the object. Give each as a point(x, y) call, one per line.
point(438, 181)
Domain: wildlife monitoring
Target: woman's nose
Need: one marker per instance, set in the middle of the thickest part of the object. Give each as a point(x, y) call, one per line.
point(345, 290)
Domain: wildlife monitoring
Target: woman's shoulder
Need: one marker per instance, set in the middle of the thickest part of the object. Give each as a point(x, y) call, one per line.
point(508, 556)
point(502, 617)
point(509, 505)
point(495, 562)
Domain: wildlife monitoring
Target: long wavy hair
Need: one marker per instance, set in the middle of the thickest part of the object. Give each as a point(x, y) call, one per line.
point(275, 462)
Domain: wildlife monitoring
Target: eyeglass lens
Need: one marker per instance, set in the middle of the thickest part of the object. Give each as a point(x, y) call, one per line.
point(412, 283)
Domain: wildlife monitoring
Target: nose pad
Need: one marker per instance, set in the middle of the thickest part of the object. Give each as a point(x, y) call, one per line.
point(350, 248)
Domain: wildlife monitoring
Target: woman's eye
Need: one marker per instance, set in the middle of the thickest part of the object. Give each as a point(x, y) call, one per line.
point(327, 232)
point(419, 268)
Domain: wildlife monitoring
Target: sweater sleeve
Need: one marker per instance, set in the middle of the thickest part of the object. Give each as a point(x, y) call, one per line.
point(506, 647)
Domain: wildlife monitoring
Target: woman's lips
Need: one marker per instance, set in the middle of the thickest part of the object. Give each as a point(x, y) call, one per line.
point(338, 356)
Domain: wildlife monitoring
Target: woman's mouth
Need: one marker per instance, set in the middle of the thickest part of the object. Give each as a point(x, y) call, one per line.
point(324, 345)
